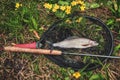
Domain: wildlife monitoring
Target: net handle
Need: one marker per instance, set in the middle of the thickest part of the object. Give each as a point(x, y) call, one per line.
point(34, 51)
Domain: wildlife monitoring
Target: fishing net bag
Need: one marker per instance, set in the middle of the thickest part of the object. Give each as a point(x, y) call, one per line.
point(82, 27)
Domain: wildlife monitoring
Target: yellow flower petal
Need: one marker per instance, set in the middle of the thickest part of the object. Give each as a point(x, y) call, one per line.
point(62, 8)
point(82, 8)
point(54, 10)
point(73, 3)
point(68, 7)
point(68, 11)
point(17, 5)
point(47, 5)
point(76, 75)
point(56, 6)
point(79, 2)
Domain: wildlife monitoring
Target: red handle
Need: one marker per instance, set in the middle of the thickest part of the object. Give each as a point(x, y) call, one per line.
point(29, 45)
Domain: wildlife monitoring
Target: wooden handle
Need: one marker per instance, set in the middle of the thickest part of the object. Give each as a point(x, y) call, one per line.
point(35, 51)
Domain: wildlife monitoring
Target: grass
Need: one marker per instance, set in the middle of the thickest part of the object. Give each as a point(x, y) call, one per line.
point(17, 26)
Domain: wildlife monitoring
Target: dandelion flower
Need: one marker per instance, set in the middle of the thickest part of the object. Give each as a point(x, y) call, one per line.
point(76, 75)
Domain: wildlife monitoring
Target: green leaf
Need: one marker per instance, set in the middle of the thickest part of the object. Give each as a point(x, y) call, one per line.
point(110, 21)
point(63, 3)
point(67, 78)
point(91, 5)
point(119, 9)
point(94, 5)
point(60, 14)
point(25, 20)
point(117, 48)
point(34, 22)
point(109, 3)
point(97, 77)
point(115, 5)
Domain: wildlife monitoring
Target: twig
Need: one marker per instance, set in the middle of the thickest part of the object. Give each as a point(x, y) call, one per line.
point(36, 34)
point(117, 40)
point(112, 76)
point(115, 32)
point(13, 44)
point(118, 19)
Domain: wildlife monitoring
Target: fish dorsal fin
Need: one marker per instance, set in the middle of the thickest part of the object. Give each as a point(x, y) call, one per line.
point(72, 37)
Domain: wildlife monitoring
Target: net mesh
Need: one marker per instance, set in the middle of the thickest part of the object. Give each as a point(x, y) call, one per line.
point(83, 27)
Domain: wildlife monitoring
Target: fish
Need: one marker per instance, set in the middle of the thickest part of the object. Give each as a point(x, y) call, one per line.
point(75, 42)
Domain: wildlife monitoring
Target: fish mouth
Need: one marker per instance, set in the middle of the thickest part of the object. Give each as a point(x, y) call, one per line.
point(95, 44)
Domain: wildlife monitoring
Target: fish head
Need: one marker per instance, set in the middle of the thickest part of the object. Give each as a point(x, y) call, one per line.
point(90, 44)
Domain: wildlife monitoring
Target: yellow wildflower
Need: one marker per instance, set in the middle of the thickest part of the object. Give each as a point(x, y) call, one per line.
point(68, 9)
point(54, 10)
point(62, 8)
point(80, 2)
point(47, 5)
point(56, 6)
point(73, 3)
point(82, 8)
point(76, 75)
point(68, 21)
point(17, 5)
